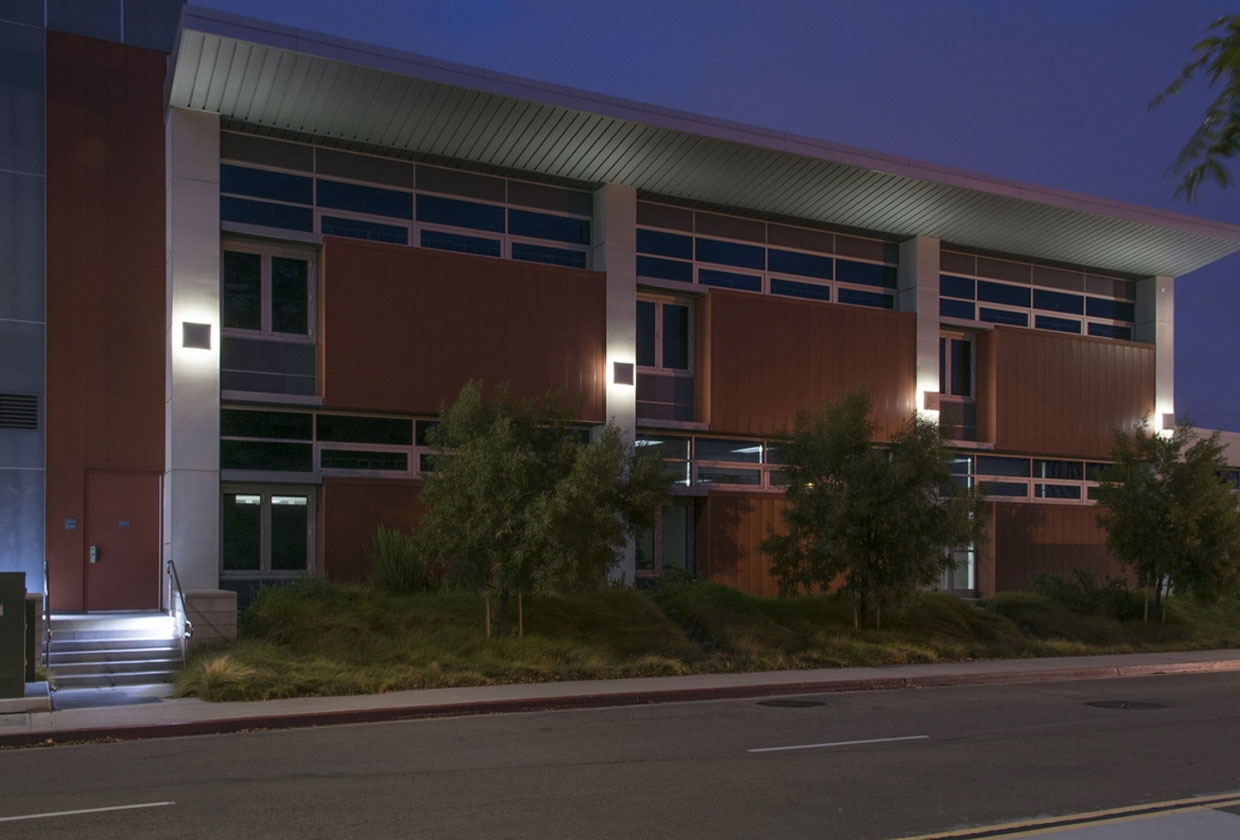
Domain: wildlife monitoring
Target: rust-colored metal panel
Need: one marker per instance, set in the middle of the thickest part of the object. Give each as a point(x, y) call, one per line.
point(1052, 394)
point(402, 329)
point(984, 385)
point(729, 545)
point(105, 283)
point(351, 510)
point(770, 358)
point(1055, 539)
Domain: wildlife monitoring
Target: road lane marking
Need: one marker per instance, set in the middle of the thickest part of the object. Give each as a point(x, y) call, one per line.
point(86, 811)
point(838, 744)
point(1043, 826)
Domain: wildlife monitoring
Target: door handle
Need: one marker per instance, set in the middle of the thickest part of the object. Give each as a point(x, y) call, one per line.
point(94, 554)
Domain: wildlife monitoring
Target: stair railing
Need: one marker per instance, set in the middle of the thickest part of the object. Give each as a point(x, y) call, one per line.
point(176, 607)
point(47, 620)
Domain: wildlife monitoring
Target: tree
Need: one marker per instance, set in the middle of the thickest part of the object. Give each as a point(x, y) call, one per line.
point(883, 520)
point(1169, 516)
point(517, 501)
point(1217, 139)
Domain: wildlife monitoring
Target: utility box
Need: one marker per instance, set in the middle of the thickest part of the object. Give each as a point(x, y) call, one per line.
point(12, 634)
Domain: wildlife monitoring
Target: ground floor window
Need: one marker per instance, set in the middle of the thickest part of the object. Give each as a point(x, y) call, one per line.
point(266, 531)
point(961, 575)
point(668, 546)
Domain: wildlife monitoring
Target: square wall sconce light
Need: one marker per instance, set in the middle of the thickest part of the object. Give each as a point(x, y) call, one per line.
point(1168, 422)
point(195, 336)
point(622, 373)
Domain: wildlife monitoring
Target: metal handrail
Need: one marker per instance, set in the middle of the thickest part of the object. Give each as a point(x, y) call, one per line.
point(47, 618)
point(186, 628)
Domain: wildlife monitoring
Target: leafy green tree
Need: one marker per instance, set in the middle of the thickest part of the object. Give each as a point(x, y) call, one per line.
point(1217, 139)
point(1169, 516)
point(517, 501)
point(880, 521)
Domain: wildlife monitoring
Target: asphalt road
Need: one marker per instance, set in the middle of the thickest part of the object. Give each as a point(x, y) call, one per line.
point(863, 765)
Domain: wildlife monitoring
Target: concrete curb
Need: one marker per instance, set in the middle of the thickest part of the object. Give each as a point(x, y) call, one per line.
point(602, 700)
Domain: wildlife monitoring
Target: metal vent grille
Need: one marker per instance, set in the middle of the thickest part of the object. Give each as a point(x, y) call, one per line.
point(19, 411)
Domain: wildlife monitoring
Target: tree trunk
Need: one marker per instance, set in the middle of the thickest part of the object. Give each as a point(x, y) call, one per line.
point(856, 605)
point(1146, 617)
point(503, 613)
point(487, 597)
point(520, 617)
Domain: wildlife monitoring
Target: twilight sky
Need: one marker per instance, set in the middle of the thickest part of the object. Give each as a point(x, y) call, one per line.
point(1050, 92)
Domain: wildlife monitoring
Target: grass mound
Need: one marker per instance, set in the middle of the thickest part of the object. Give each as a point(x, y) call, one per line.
point(318, 638)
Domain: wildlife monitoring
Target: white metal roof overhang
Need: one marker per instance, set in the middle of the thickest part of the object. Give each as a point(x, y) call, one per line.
point(289, 80)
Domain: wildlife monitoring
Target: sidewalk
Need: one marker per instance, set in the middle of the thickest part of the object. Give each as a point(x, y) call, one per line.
point(188, 716)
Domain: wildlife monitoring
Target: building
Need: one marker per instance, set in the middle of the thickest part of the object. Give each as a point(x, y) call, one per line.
point(245, 264)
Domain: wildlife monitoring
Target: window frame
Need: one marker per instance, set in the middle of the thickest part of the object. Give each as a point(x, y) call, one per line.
point(266, 251)
point(659, 302)
point(266, 492)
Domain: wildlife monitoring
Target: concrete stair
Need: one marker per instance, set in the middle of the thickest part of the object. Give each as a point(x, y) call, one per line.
point(100, 650)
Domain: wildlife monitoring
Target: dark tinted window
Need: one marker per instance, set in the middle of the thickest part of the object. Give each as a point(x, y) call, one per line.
point(289, 533)
point(1002, 316)
point(243, 290)
point(424, 428)
point(344, 428)
point(354, 459)
point(866, 274)
point(372, 200)
point(792, 288)
point(675, 336)
point(1002, 293)
point(261, 183)
point(260, 455)
point(1067, 470)
point(462, 244)
point(372, 231)
point(266, 424)
point(467, 214)
point(731, 253)
point(962, 367)
point(728, 280)
point(956, 309)
point(729, 475)
point(1058, 302)
point(664, 244)
point(1113, 309)
point(861, 298)
point(665, 269)
point(290, 300)
point(1110, 331)
point(545, 226)
point(718, 449)
point(805, 265)
point(1046, 322)
point(664, 447)
point(645, 333)
point(1004, 488)
point(957, 287)
point(263, 213)
point(552, 256)
point(242, 517)
point(1056, 491)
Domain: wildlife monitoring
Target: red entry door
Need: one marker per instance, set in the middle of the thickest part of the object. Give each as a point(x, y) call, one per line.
point(122, 538)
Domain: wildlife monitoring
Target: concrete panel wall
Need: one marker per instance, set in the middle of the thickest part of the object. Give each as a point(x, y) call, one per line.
point(21, 524)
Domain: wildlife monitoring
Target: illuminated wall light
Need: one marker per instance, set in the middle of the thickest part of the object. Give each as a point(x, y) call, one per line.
point(622, 373)
point(195, 336)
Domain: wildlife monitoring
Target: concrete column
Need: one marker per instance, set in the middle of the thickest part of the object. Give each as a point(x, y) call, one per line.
point(1155, 324)
point(615, 252)
point(192, 392)
point(918, 291)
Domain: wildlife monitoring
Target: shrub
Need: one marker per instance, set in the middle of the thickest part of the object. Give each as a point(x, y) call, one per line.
point(1083, 594)
point(394, 562)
